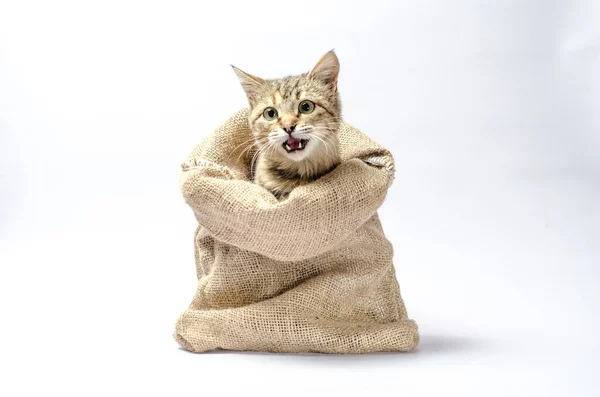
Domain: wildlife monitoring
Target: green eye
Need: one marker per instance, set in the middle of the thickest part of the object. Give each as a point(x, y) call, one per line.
point(306, 107)
point(270, 114)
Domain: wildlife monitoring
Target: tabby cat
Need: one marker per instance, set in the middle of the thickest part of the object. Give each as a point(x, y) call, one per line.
point(294, 122)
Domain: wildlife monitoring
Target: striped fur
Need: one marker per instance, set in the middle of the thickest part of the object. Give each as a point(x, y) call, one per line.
point(276, 169)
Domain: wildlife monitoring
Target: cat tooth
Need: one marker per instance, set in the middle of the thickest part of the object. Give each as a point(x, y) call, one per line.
point(300, 145)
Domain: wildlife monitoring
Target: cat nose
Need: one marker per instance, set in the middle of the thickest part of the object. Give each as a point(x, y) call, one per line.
point(289, 128)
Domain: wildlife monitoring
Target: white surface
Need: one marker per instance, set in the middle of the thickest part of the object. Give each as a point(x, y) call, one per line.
point(489, 109)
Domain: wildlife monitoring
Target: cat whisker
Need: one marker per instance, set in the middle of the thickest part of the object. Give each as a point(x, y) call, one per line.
point(250, 142)
point(260, 150)
point(253, 160)
point(249, 148)
point(252, 139)
point(274, 147)
point(327, 143)
point(324, 143)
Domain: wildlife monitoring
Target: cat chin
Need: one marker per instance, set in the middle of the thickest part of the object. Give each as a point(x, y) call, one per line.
point(296, 156)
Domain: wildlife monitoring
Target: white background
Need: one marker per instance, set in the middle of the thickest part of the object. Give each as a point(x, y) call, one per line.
point(490, 109)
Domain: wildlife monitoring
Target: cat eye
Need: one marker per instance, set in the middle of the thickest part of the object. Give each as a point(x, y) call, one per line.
point(306, 107)
point(270, 114)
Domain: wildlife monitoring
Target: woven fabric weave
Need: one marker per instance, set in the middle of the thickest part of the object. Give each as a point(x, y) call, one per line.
point(310, 273)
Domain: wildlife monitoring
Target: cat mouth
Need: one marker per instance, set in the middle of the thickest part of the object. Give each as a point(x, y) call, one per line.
point(294, 144)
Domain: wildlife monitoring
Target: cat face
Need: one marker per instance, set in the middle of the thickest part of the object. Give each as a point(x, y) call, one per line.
point(294, 117)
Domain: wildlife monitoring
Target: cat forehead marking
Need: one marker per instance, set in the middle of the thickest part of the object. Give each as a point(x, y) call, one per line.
point(277, 98)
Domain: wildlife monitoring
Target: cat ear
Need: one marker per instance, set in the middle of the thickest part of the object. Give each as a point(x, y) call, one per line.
point(327, 69)
point(250, 84)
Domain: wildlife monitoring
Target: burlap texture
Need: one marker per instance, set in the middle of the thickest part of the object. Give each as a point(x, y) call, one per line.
point(311, 273)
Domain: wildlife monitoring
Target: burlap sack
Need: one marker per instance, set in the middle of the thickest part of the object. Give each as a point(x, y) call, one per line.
point(311, 273)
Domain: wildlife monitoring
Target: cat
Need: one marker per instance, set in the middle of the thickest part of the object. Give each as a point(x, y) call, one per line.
point(294, 122)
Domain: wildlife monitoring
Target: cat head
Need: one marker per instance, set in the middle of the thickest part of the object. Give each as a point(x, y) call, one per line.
point(295, 117)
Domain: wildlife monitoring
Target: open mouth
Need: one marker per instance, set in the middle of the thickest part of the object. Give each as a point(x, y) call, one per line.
point(294, 144)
